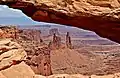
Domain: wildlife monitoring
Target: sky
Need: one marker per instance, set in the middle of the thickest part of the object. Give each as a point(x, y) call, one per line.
point(9, 16)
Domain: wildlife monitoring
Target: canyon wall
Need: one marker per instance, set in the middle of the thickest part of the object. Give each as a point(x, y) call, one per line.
point(9, 32)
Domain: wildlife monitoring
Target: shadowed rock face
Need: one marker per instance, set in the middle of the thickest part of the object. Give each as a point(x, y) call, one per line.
point(101, 16)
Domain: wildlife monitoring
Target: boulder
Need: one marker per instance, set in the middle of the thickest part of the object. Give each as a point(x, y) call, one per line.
point(9, 53)
point(12, 64)
point(18, 71)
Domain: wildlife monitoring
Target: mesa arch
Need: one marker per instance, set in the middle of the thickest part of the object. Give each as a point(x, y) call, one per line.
point(100, 16)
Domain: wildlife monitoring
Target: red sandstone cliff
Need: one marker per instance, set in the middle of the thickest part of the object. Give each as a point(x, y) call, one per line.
point(9, 32)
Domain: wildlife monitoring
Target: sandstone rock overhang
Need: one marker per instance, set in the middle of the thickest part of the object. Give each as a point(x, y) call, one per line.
point(100, 16)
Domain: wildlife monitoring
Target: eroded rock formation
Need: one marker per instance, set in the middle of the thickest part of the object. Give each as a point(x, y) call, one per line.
point(101, 16)
point(12, 64)
point(68, 41)
point(40, 61)
point(38, 54)
point(55, 43)
point(29, 34)
point(10, 54)
point(9, 32)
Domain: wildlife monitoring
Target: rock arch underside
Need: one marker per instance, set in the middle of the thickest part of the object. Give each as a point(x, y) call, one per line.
point(100, 16)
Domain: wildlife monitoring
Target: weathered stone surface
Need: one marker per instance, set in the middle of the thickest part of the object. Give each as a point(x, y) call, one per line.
point(12, 57)
point(8, 32)
point(40, 62)
point(10, 53)
point(101, 16)
point(18, 71)
point(1, 75)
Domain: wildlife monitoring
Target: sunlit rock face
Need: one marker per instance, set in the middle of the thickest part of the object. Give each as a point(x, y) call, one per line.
point(101, 16)
point(12, 57)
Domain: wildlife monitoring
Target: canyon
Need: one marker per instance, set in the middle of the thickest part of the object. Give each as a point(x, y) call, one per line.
point(53, 52)
point(62, 56)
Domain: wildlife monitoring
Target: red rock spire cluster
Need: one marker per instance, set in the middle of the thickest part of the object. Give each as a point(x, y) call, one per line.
point(68, 40)
point(57, 44)
point(56, 40)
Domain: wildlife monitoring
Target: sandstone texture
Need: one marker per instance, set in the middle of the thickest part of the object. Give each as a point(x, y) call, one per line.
point(101, 16)
point(10, 53)
point(12, 64)
point(8, 32)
